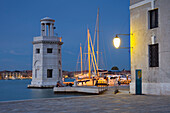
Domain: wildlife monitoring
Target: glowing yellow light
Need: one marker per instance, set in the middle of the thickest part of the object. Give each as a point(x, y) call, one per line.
point(116, 42)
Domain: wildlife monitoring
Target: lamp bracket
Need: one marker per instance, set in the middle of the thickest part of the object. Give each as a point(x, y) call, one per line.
point(123, 34)
point(125, 47)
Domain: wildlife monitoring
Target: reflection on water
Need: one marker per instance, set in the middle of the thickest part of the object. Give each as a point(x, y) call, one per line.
point(17, 90)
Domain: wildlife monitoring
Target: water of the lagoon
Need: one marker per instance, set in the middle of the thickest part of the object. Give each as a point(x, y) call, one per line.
point(17, 90)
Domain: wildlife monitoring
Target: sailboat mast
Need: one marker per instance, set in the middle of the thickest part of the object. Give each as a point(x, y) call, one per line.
point(81, 60)
point(98, 38)
point(88, 35)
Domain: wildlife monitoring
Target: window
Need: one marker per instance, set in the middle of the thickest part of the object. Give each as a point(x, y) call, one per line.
point(49, 73)
point(49, 50)
point(59, 72)
point(59, 62)
point(59, 51)
point(38, 50)
point(35, 73)
point(153, 55)
point(153, 18)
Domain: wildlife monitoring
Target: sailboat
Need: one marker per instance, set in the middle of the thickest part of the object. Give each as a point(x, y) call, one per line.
point(92, 61)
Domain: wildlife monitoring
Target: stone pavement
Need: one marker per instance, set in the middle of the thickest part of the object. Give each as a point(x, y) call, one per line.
point(105, 103)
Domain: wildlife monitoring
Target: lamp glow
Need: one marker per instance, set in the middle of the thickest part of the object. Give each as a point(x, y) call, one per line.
point(116, 42)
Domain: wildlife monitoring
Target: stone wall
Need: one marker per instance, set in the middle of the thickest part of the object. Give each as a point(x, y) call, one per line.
point(43, 60)
point(135, 1)
point(155, 80)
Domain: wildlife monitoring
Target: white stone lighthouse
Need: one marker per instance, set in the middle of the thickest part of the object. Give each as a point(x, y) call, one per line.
point(47, 66)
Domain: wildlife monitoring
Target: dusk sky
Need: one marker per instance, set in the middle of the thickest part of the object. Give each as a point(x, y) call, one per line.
point(20, 22)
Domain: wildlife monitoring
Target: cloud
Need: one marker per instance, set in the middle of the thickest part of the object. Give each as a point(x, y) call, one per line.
point(17, 53)
point(6, 60)
point(69, 52)
point(13, 52)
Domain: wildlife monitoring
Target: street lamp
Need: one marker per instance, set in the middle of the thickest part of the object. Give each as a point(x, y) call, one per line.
point(117, 42)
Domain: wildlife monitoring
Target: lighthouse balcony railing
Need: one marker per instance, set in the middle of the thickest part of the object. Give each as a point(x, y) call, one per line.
point(48, 38)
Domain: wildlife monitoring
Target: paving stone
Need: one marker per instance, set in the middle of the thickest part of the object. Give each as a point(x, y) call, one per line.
point(107, 103)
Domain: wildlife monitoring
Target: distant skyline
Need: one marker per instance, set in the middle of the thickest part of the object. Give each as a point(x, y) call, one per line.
point(20, 22)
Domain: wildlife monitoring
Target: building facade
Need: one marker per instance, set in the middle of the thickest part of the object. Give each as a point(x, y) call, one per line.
point(47, 67)
point(26, 74)
point(150, 52)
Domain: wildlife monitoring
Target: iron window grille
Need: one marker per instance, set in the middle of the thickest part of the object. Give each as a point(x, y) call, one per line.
point(154, 55)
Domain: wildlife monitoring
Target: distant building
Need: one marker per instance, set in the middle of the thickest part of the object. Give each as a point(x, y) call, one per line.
point(47, 66)
point(118, 72)
point(26, 74)
point(150, 55)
